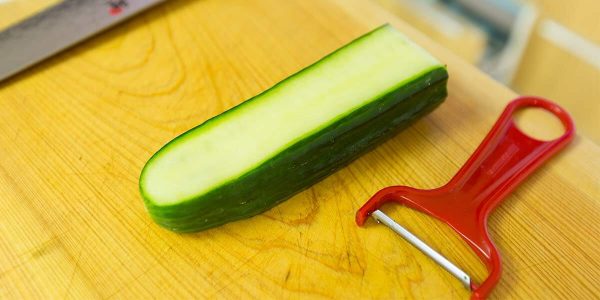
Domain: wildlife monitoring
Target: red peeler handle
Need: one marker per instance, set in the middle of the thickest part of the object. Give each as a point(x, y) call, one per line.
point(507, 156)
point(504, 159)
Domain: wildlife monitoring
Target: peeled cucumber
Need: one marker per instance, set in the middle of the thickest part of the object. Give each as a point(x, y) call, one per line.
point(268, 148)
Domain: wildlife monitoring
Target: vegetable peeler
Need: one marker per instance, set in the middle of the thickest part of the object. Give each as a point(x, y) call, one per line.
point(504, 159)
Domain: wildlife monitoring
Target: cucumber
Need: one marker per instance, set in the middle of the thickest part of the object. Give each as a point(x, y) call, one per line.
point(272, 146)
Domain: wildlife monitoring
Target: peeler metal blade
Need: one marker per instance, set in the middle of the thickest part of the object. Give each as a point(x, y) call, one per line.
point(381, 217)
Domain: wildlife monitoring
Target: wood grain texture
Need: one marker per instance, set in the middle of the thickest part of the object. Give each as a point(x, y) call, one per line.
point(77, 129)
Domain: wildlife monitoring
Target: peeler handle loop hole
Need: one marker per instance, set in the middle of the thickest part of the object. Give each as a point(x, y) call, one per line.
point(541, 120)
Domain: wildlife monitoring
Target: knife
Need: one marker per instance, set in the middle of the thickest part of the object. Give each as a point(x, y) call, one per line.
point(59, 27)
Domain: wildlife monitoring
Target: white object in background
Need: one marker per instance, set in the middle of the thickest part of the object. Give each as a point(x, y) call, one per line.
point(571, 42)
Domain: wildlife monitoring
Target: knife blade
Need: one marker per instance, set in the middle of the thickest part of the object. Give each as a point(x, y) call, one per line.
point(59, 27)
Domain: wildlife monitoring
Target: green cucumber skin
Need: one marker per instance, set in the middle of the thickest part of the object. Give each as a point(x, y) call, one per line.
point(308, 161)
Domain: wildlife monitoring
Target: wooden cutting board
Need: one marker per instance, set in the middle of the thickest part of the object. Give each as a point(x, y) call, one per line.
point(77, 129)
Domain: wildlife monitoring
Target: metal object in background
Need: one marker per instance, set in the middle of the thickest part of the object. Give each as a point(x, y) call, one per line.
point(60, 27)
point(508, 23)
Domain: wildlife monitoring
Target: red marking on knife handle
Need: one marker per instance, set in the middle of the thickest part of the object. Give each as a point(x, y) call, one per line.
point(115, 11)
point(504, 159)
point(116, 6)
